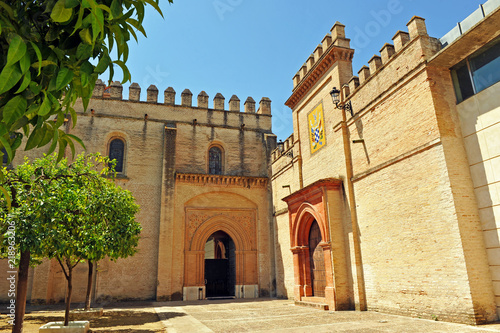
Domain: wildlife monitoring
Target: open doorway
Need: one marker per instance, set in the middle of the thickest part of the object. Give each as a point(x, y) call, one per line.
point(220, 265)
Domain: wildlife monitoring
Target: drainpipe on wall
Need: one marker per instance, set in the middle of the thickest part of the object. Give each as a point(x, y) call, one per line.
point(352, 204)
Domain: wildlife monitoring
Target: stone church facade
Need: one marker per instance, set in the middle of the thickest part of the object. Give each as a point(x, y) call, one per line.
point(201, 178)
point(385, 198)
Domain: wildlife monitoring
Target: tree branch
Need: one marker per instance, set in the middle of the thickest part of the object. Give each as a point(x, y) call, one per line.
point(62, 266)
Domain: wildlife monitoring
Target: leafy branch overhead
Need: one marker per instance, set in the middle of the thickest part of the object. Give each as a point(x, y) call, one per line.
point(52, 52)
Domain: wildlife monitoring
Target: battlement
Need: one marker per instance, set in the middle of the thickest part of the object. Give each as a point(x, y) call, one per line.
point(284, 148)
point(388, 52)
point(325, 53)
point(115, 91)
point(334, 47)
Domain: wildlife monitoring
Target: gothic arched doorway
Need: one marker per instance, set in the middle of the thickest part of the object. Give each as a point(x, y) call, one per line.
point(316, 261)
point(220, 265)
point(319, 244)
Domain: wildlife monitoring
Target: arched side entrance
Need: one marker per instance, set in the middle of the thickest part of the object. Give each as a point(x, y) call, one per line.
point(312, 255)
point(236, 225)
point(320, 262)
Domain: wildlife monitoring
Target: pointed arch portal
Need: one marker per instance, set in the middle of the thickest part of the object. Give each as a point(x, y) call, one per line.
point(220, 254)
point(220, 265)
point(316, 214)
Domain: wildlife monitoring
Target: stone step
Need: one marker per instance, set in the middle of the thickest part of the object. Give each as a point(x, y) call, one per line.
point(319, 306)
point(313, 299)
point(214, 298)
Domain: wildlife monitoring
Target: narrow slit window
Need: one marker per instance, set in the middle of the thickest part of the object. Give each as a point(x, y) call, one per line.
point(215, 161)
point(117, 152)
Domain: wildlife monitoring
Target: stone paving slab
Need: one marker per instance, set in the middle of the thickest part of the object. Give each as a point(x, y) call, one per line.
point(176, 320)
point(282, 316)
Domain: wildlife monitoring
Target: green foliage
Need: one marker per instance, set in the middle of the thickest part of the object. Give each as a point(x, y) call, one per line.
point(47, 56)
point(69, 211)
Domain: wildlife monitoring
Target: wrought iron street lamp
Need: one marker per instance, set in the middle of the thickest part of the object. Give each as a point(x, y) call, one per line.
point(335, 93)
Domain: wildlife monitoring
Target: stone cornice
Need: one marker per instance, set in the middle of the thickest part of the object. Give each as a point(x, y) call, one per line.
point(316, 188)
point(218, 180)
point(334, 54)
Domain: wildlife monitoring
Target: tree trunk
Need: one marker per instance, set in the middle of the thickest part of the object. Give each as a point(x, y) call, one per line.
point(89, 285)
point(22, 290)
point(68, 297)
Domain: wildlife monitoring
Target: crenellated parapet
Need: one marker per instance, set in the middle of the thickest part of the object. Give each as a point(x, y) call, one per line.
point(284, 148)
point(186, 98)
point(134, 92)
point(250, 105)
point(234, 103)
point(203, 100)
point(115, 91)
point(396, 60)
point(219, 102)
point(152, 94)
point(169, 94)
point(334, 47)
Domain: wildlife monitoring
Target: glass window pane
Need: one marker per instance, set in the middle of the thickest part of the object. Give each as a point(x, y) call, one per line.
point(462, 82)
point(486, 67)
point(116, 150)
point(215, 161)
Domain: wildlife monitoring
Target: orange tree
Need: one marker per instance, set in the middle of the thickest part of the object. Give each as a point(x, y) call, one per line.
point(69, 212)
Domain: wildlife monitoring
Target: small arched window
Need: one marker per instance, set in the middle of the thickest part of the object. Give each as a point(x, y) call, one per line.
point(117, 152)
point(215, 161)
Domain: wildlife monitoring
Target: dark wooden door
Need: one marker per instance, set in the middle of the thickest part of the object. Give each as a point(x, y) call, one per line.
point(317, 261)
point(216, 277)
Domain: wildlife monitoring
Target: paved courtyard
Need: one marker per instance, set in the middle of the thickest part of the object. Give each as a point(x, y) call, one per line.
point(282, 316)
point(262, 315)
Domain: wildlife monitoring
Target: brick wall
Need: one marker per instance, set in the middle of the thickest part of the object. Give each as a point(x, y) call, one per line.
point(421, 245)
point(145, 126)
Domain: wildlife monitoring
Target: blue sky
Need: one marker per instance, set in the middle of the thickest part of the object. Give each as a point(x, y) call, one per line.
point(255, 47)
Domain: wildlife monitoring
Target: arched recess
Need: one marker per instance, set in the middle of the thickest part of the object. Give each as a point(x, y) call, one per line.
point(306, 215)
point(235, 231)
point(321, 201)
point(212, 168)
point(116, 137)
point(237, 223)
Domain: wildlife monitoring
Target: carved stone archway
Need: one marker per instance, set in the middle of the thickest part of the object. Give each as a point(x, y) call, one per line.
point(239, 224)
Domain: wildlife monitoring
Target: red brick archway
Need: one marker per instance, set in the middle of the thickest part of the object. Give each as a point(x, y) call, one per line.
point(320, 202)
point(301, 225)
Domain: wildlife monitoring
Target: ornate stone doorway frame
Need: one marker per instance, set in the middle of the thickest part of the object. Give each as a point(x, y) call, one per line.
point(239, 224)
point(321, 202)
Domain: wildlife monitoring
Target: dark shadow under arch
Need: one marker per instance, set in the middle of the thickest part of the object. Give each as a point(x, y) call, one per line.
point(220, 265)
